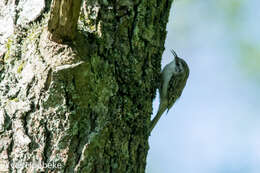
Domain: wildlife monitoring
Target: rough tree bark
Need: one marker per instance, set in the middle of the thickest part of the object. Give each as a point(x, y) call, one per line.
point(84, 105)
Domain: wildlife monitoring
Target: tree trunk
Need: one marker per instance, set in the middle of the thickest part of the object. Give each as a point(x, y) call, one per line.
point(83, 106)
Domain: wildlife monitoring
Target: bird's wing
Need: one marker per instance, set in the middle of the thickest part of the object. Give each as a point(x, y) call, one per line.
point(174, 91)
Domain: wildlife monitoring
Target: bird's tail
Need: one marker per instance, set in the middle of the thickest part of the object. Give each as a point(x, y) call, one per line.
point(160, 111)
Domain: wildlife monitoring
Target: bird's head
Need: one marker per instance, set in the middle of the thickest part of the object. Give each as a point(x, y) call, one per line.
point(180, 65)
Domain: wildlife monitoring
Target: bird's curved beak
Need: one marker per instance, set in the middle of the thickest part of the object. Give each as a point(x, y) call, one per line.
point(174, 53)
point(176, 58)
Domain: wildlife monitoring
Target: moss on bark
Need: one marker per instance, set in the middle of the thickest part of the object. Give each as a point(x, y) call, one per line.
point(86, 103)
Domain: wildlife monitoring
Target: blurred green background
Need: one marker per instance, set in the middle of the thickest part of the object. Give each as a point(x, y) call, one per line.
point(215, 126)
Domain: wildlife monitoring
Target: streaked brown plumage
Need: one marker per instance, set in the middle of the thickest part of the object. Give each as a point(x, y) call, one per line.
point(173, 81)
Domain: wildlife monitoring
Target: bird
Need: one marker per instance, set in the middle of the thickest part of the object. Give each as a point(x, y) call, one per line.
point(173, 79)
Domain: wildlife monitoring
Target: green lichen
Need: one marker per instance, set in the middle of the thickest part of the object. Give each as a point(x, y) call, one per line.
point(15, 99)
point(34, 32)
point(8, 46)
point(20, 67)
